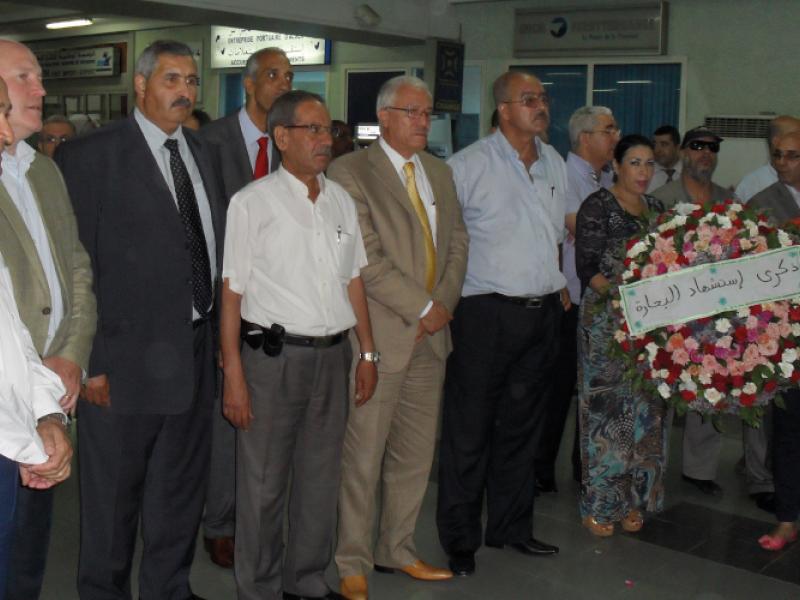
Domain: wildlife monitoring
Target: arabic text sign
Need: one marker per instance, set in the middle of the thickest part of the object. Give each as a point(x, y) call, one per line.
point(232, 47)
point(706, 290)
point(78, 62)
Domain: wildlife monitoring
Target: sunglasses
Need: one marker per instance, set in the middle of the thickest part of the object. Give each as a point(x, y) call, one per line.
point(698, 145)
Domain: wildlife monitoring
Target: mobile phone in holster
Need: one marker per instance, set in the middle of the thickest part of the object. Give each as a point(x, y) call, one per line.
point(273, 339)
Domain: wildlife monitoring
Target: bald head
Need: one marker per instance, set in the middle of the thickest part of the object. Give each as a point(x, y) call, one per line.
point(780, 126)
point(786, 158)
point(23, 76)
point(503, 84)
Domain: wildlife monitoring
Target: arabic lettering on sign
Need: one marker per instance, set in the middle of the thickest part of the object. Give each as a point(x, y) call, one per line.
point(706, 290)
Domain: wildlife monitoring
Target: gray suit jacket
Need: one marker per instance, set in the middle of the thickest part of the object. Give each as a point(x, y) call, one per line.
point(73, 338)
point(226, 144)
point(394, 240)
point(779, 201)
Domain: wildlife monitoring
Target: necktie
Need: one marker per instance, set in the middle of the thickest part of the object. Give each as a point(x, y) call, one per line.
point(190, 215)
point(416, 202)
point(262, 160)
point(670, 173)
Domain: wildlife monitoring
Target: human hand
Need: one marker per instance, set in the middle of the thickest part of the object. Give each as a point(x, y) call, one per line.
point(98, 391)
point(236, 406)
point(436, 318)
point(566, 302)
point(366, 381)
point(58, 448)
point(70, 375)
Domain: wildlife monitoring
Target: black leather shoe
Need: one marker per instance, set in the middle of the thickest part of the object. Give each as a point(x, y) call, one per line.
point(531, 547)
point(328, 596)
point(765, 501)
point(706, 486)
point(462, 564)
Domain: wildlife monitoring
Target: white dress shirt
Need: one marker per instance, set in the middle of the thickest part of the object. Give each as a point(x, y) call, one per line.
point(421, 178)
point(660, 176)
point(292, 259)
point(155, 138)
point(15, 180)
point(251, 135)
point(756, 181)
point(28, 390)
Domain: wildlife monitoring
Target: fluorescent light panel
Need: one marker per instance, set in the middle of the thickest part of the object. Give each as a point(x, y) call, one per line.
point(635, 81)
point(70, 23)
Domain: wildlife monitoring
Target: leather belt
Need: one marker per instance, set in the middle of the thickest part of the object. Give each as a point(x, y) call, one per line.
point(527, 301)
point(323, 341)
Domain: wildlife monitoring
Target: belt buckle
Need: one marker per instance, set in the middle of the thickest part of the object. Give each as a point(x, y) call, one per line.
point(533, 302)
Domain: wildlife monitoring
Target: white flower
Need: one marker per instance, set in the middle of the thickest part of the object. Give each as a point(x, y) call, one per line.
point(685, 376)
point(786, 369)
point(627, 275)
point(789, 355)
point(652, 350)
point(784, 238)
point(620, 336)
point(736, 392)
point(637, 249)
point(796, 329)
point(723, 325)
point(704, 378)
point(749, 388)
point(712, 395)
point(724, 221)
point(679, 220)
point(664, 390)
point(743, 313)
point(685, 208)
point(735, 207)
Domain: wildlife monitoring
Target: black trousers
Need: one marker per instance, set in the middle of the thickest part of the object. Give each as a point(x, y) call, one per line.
point(31, 539)
point(786, 457)
point(566, 369)
point(151, 465)
point(497, 381)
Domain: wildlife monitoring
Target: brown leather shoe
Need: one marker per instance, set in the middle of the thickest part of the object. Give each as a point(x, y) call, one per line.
point(220, 550)
point(419, 570)
point(354, 587)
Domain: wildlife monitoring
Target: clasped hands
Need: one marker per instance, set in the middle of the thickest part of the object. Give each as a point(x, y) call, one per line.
point(434, 320)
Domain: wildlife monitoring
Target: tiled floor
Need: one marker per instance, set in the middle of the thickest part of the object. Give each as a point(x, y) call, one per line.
point(700, 548)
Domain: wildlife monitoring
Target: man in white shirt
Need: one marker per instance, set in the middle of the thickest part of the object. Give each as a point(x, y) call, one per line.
point(765, 175)
point(292, 290)
point(243, 151)
point(667, 151)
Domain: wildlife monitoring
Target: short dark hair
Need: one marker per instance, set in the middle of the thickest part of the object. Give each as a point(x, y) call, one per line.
point(283, 110)
point(146, 63)
point(628, 142)
point(670, 131)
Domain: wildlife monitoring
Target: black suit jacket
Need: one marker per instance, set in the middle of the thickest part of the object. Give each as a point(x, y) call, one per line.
point(131, 227)
point(779, 201)
point(226, 142)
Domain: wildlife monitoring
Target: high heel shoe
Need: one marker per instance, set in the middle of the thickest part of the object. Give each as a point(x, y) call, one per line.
point(633, 521)
point(597, 528)
point(776, 542)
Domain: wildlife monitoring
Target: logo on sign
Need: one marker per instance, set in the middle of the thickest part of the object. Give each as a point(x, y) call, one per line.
point(558, 27)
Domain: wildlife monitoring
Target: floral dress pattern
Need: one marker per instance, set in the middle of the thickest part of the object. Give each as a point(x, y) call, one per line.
point(623, 435)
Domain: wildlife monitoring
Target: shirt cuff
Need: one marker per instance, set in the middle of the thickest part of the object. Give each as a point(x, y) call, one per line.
point(427, 309)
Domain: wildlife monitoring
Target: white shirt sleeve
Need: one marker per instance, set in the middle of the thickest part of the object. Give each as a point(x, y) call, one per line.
point(236, 262)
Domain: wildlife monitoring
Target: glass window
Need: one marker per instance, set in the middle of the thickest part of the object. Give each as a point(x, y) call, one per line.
point(642, 97)
point(467, 126)
point(232, 92)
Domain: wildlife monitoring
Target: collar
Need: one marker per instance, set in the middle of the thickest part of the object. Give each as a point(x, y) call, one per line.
point(297, 186)
point(397, 159)
point(250, 132)
point(504, 146)
point(154, 135)
point(22, 159)
point(583, 166)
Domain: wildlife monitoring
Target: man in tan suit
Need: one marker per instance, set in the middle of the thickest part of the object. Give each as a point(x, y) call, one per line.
point(417, 250)
point(52, 280)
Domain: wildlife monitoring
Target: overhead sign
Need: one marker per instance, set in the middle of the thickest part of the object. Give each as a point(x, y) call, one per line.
point(230, 48)
point(78, 62)
point(706, 290)
point(583, 32)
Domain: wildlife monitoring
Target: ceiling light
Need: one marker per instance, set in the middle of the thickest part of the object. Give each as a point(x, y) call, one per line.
point(635, 81)
point(70, 23)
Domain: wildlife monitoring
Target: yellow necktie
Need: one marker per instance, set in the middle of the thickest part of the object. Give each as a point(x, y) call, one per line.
point(416, 202)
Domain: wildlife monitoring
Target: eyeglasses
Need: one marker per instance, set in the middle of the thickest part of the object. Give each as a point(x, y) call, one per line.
point(52, 139)
point(610, 131)
point(415, 114)
point(316, 130)
point(698, 145)
point(173, 80)
point(531, 100)
point(790, 156)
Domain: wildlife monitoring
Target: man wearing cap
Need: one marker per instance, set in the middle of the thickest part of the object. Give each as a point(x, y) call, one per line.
point(699, 149)
point(667, 152)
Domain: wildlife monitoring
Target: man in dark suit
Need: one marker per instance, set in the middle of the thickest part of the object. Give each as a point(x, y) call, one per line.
point(782, 197)
point(242, 152)
point(150, 215)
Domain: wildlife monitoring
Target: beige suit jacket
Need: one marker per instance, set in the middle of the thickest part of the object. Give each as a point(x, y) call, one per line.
point(394, 240)
point(73, 338)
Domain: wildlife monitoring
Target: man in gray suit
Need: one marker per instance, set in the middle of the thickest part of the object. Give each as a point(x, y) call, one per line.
point(242, 152)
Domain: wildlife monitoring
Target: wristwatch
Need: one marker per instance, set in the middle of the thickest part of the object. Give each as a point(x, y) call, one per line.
point(56, 416)
point(373, 357)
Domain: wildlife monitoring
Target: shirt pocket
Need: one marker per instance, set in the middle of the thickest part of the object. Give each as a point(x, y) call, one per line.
point(345, 254)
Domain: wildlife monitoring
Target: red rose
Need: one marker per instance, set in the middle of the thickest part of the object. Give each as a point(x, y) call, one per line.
point(737, 381)
point(668, 233)
point(740, 333)
point(794, 313)
point(698, 213)
point(747, 399)
point(720, 382)
point(770, 386)
point(686, 332)
point(687, 395)
point(709, 349)
point(795, 375)
point(738, 223)
point(720, 209)
point(637, 274)
point(631, 243)
point(756, 309)
point(787, 343)
point(626, 346)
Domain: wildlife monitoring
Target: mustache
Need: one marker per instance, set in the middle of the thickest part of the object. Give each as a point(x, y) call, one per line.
point(543, 114)
point(324, 151)
point(182, 102)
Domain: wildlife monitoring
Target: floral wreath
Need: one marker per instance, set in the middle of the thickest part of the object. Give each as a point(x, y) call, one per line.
point(733, 362)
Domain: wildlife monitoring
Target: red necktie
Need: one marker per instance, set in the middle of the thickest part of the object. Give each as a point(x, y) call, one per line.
point(262, 160)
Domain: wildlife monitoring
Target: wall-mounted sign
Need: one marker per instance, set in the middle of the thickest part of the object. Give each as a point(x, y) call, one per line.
point(581, 32)
point(446, 62)
point(78, 62)
point(230, 47)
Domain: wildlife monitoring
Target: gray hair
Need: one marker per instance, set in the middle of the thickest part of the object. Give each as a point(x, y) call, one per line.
point(283, 110)
point(584, 120)
point(251, 66)
point(59, 119)
point(146, 63)
point(389, 89)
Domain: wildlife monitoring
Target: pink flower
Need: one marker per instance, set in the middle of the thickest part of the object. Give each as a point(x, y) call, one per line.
point(675, 341)
point(724, 342)
point(691, 344)
point(661, 269)
point(769, 349)
point(786, 329)
point(649, 270)
point(716, 250)
point(774, 331)
point(780, 310)
point(751, 357)
point(665, 244)
point(752, 322)
point(656, 257)
point(680, 356)
point(736, 368)
point(710, 364)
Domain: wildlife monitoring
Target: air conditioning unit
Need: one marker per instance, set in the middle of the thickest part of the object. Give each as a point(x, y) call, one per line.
point(745, 146)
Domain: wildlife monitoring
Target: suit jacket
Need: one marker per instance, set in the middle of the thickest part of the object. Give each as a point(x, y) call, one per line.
point(132, 230)
point(73, 338)
point(674, 193)
point(779, 201)
point(394, 240)
point(226, 144)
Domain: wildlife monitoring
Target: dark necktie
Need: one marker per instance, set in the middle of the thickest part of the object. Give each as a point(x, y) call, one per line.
point(190, 215)
point(670, 173)
point(262, 160)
